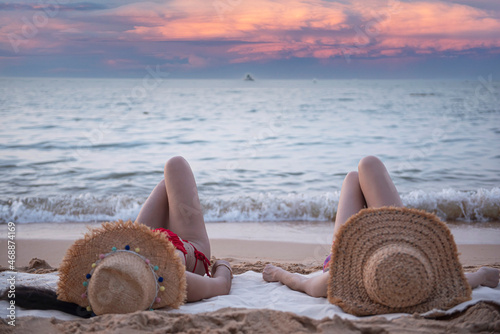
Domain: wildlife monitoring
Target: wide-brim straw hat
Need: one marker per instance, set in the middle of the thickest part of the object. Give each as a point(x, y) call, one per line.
point(395, 260)
point(122, 267)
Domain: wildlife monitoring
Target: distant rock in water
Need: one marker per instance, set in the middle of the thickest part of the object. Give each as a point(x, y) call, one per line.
point(422, 94)
point(248, 77)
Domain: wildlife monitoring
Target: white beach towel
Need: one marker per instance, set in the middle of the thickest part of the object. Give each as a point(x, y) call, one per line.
point(248, 290)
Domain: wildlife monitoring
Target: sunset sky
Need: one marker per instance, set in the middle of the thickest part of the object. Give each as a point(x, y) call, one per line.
point(270, 39)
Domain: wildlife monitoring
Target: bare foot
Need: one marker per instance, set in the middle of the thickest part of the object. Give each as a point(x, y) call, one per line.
point(491, 276)
point(270, 273)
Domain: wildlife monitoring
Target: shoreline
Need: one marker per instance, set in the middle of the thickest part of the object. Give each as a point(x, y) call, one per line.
point(307, 243)
point(292, 231)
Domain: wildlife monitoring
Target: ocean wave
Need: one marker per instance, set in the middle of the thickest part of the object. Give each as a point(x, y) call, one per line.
point(82, 208)
point(269, 207)
point(449, 204)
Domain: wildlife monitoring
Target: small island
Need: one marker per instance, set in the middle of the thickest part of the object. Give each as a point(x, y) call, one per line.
point(248, 77)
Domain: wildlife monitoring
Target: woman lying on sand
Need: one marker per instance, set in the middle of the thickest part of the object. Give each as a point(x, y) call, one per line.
point(370, 187)
point(126, 267)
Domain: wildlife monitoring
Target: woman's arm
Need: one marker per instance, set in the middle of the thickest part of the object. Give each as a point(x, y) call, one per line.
point(201, 287)
point(316, 286)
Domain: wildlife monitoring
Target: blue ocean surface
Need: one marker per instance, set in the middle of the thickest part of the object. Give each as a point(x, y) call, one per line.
point(78, 150)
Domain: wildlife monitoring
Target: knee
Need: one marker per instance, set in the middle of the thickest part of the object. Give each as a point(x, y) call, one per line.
point(161, 184)
point(352, 177)
point(175, 163)
point(369, 163)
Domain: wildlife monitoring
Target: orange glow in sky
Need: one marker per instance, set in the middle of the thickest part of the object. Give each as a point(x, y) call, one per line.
point(208, 33)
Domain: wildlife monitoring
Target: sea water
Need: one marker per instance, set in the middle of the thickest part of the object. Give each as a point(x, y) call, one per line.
point(82, 150)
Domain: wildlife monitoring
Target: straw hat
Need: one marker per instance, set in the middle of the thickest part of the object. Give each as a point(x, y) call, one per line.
point(395, 260)
point(122, 267)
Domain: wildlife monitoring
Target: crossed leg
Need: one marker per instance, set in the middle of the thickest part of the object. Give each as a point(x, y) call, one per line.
point(174, 204)
point(370, 187)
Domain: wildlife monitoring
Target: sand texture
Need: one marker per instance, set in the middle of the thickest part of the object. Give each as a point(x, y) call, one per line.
point(483, 317)
point(480, 318)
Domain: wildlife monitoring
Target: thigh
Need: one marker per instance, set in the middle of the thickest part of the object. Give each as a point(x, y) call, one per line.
point(185, 215)
point(376, 184)
point(351, 200)
point(154, 212)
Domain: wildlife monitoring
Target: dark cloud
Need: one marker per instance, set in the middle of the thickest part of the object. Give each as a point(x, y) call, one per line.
point(14, 6)
point(481, 4)
point(78, 6)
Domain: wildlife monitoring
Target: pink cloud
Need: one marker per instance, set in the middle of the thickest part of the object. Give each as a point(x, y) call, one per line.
point(263, 30)
point(320, 29)
point(245, 21)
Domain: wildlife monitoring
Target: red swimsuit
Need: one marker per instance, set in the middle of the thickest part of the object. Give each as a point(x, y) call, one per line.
point(179, 244)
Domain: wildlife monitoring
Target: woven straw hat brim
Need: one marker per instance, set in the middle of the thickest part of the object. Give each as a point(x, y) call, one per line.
point(153, 245)
point(372, 229)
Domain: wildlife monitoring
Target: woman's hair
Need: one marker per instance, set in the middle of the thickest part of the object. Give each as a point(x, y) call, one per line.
point(44, 299)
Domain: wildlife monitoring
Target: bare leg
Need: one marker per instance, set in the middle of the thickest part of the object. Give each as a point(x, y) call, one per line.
point(376, 184)
point(174, 204)
point(351, 200)
point(154, 212)
point(484, 276)
point(315, 286)
point(185, 216)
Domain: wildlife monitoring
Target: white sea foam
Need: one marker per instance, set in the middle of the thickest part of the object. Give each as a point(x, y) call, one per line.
point(268, 207)
point(83, 208)
point(448, 204)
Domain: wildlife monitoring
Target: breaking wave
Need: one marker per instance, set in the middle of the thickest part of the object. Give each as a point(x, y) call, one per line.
point(449, 204)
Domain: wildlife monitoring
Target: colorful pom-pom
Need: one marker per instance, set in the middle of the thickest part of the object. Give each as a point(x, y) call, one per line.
point(85, 283)
point(113, 249)
point(102, 256)
point(160, 279)
point(127, 247)
point(137, 250)
point(84, 295)
point(147, 261)
point(156, 268)
point(157, 300)
point(89, 308)
point(94, 265)
point(88, 276)
point(162, 288)
point(151, 309)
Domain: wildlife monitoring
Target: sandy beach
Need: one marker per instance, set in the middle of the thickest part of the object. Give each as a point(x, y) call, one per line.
point(307, 243)
point(297, 246)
